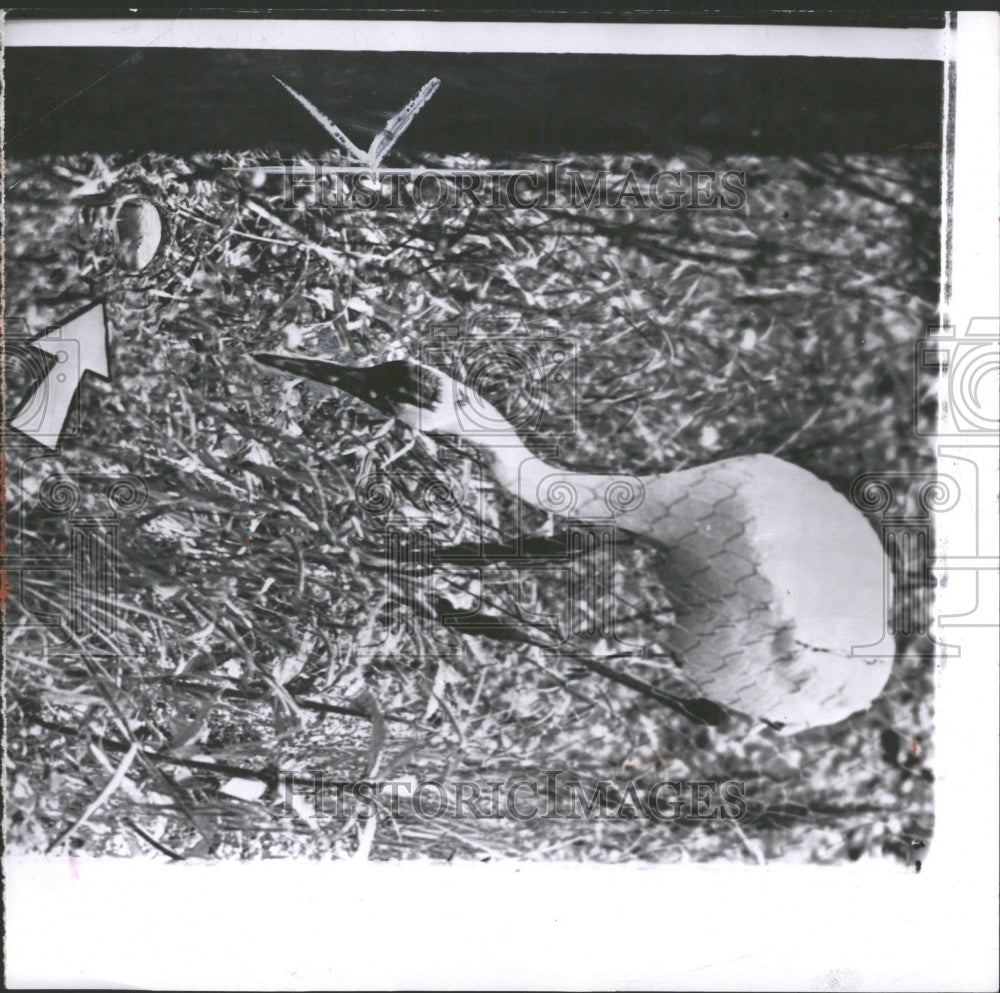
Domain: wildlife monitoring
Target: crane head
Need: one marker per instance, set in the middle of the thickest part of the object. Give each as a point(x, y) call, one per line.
point(422, 397)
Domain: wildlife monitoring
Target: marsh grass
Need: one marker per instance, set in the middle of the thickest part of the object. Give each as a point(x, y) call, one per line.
point(259, 629)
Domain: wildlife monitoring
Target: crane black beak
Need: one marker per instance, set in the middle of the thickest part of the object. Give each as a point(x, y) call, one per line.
point(318, 370)
point(363, 383)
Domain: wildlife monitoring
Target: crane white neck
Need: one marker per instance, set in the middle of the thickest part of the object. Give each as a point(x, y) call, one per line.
point(559, 491)
point(459, 410)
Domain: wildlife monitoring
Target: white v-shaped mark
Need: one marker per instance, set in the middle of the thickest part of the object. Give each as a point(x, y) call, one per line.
point(385, 139)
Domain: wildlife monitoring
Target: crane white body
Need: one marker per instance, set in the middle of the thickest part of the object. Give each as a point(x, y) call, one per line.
point(776, 580)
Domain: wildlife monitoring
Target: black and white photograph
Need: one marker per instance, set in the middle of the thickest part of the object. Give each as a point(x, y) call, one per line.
point(493, 448)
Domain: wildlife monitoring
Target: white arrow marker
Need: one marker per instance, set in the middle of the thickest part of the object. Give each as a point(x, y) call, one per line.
point(79, 346)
